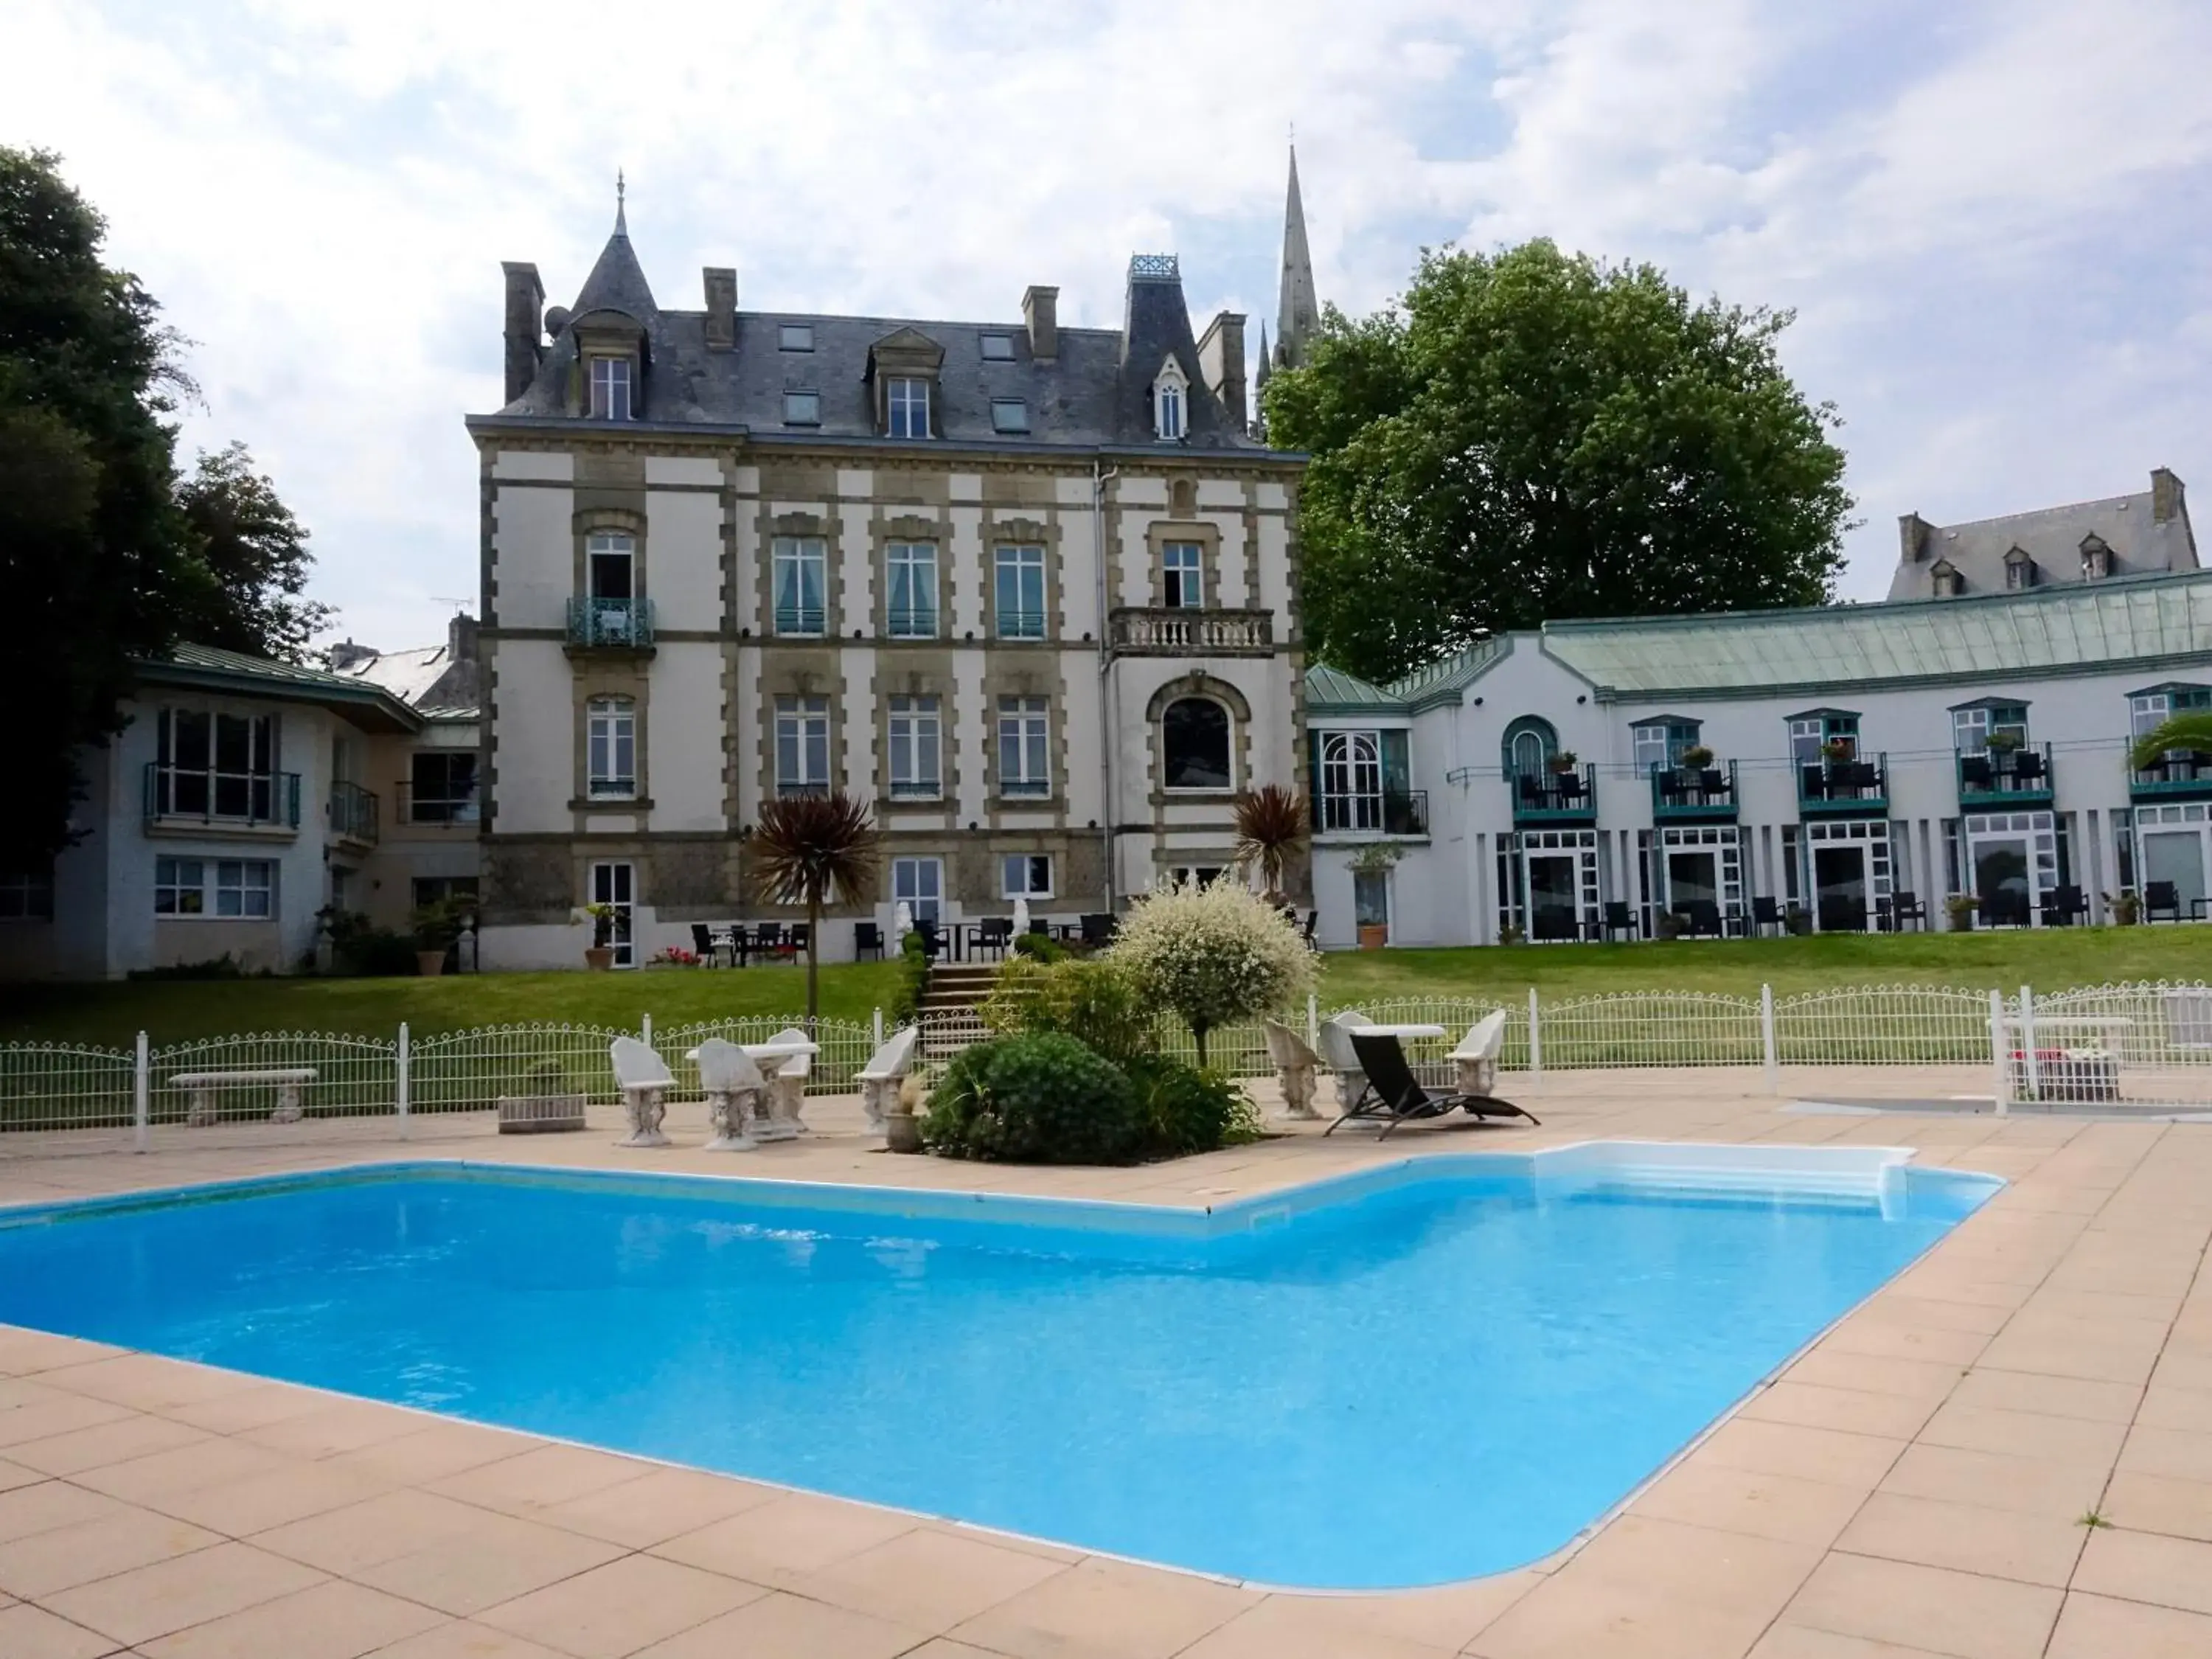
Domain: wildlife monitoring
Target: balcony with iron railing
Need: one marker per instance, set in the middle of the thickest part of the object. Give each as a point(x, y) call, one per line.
point(1390, 812)
point(459, 811)
point(2177, 774)
point(1190, 631)
point(2000, 778)
point(355, 813)
point(1844, 788)
point(1555, 796)
point(801, 621)
point(605, 624)
point(1693, 794)
point(914, 621)
point(193, 798)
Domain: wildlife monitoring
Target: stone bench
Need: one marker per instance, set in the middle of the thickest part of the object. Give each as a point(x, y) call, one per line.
point(201, 1088)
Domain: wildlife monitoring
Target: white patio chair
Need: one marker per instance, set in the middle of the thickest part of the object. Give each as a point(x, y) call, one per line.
point(733, 1087)
point(786, 1089)
point(1476, 1058)
point(886, 1069)
point(645, 1080)
point(1336, 1049)
point(1295, 1067)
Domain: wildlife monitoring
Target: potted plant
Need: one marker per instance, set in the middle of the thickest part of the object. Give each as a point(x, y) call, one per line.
point(1697, 757)
point(600, 954)
point(1564, 760)
point(1511, 933)
point(1376, 859)
point(2126, 908)
point(1797, 918)
point(1840, 750)
point(1960, 907)
point(548, 1102)
point(901, 1122)
point(2002, 742)
point(1670, 924)
point(437, 928)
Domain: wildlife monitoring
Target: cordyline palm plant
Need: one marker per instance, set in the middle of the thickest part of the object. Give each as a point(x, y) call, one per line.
point(2190, 732)
point(1271, 828)
point(807, 848)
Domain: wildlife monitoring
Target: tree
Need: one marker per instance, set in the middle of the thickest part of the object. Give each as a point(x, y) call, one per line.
point(2189, 731)
point(1212, 955)
point(1532, 436)
point(254, 554)
point(92, 551)
point(1271, 829)
point(807, 848)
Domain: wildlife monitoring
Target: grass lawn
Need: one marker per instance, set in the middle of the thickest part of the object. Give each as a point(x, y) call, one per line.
point(172, 1011)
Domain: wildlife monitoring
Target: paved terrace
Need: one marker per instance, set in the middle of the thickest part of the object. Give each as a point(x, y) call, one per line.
point(1915, 1484)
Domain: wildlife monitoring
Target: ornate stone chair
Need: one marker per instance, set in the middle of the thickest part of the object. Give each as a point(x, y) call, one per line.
point(1475, 1060)
point(645, 1080)
point(1295, 1066)
point(886, 1069)
point(733, 1087)
point(1336, 1049)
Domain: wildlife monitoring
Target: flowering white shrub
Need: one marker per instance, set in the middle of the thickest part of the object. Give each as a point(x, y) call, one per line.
point(1212, 956)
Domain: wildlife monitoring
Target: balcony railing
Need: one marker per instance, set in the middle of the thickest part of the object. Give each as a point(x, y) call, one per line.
point(1021, 624)
point(1554, 797)
point(2179, 775)
point(1178, 631)
point(354, 814)
point(1998, 778)
point(596, 624)
point(1685, 795)
point(176, 795)
point(1394, 813)
point(911, 623)
point(461, 810)
point(1844, 788)
point(805, 621)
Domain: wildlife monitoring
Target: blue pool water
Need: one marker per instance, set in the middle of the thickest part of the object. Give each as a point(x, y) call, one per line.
point(1421, 1375)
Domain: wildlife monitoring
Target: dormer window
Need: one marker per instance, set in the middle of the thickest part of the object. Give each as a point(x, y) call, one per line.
point(1170, 403)
point(2020, 571)
point(1943, 580)
point(2096, 558)
point(906, 406)
point(611, 379)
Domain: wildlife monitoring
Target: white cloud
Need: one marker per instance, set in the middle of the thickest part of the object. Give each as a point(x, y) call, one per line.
point(1981, 231)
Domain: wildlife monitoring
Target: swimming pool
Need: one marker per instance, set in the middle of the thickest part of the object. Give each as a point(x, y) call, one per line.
point(1436, 1369)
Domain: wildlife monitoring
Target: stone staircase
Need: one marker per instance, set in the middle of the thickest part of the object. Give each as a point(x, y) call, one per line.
point(949, 1020)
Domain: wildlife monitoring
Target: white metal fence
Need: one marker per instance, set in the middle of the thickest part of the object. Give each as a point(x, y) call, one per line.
point(2145, 1045)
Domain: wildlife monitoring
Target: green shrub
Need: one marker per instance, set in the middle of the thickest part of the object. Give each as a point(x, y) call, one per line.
point(1091, 1000)
point(1037, 1098)
point(359, 946)
point(1184, 1110)
point(225, 966)
point(913, 975)
point(1038, 947)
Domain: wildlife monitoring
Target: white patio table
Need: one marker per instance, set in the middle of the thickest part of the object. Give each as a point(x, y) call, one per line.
point(769, 1124)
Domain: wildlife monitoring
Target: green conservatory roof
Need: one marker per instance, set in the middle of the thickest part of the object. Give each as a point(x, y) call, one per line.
point(1332, 691)
point(205, 667)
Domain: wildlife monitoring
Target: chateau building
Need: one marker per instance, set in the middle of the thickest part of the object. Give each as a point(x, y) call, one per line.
point(1028, 589)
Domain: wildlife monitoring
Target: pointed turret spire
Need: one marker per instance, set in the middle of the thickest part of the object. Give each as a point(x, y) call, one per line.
point(618, 281)
point(1298, 312)
point(622, 213)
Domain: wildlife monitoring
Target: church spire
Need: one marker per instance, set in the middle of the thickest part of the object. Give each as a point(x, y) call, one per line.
point(1298, 312)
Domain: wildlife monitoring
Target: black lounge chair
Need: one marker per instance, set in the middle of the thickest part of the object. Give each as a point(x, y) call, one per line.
point(1395, 1094)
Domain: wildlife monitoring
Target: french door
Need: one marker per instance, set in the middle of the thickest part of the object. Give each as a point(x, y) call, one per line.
point(614, 882)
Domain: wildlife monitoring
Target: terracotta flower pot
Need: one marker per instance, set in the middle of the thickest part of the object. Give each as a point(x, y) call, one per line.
point(1373, 936)
point(599, 957)
point(429, 964)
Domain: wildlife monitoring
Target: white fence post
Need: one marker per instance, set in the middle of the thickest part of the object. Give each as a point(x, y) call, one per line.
point(876, 1027)
point(1535, 1038)
point(1313, 1022)
point(2034, 1072)
point(142, 1098)
point(648, 1031)
point(1766, 1039)
point(399, 1080)
point(2000, 1075)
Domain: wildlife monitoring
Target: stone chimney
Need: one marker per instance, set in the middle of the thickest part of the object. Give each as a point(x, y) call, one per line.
point(526, 303)
point(346, 655)
point(721, 307)
point(1041, 310)
point(461, 638)
point(1221, 360)
point(2164, 496)
point(1913, 537)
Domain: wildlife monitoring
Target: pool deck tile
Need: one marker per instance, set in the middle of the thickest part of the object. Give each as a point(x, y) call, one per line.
point(1913, 1486)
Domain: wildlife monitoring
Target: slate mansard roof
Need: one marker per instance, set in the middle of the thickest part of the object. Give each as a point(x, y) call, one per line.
point(2146, 534)
point(1094, 393)
point(2151, 621)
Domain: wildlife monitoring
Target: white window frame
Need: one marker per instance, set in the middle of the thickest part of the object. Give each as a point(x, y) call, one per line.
point(1025, 741)
point(27, 895)
point(609, 544)
point(917, 562)
point(802, 407)
point(610, 748)
point(799, 567)
point(1350, 781)
point(905, 395)
point(916, 745)
point(1170, 403)
point(1182, 575)
point(215, 890)
point(614, 381)
point(802, 739)
point(1010, 416)
point(1658, 746)
point(1020, 560)
point(919, 883)
point(1021, 874)
point(179, 887)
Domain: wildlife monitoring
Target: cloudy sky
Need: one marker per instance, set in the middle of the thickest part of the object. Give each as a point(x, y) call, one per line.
point(1991, 215)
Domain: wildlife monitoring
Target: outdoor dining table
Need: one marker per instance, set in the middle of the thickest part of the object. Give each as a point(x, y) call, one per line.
point(1403, 1033)
point(771, 1124)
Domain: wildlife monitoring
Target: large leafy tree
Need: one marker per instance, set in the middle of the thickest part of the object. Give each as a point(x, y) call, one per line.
point(1533, 435)
point(92, 551)
point(255, 556)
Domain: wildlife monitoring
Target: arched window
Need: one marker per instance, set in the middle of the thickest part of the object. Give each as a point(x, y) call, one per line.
point(1168, 413)
point(1195, 742)
point(1529, 744)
